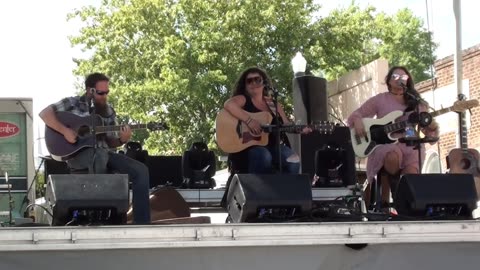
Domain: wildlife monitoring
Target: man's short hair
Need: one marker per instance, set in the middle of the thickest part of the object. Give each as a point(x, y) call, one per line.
point(92, 79)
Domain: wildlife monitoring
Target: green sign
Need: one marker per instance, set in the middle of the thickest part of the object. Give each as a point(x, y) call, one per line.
point(13, 144)
point(13, 159)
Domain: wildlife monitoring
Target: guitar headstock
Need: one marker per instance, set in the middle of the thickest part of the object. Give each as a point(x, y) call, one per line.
point(153, 126)
point(323, 127)
point(463, 105)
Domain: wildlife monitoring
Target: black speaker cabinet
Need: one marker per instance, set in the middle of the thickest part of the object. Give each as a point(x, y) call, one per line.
point(260, 197)
point(318, 155)
point(310, 99)
point(165, 170)
point(72, 195)
point(434, 195)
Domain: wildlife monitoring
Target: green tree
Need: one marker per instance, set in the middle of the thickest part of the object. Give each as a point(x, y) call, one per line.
point(176, 61)
point(350, 38)
point(404, 41)
point(40, 185)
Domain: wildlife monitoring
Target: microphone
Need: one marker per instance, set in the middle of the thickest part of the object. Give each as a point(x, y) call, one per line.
point(271, 91)
point(91, 98)
point(267, 86)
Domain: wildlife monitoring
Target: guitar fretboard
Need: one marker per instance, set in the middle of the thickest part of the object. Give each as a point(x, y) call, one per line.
point(324, 128)
point(402, 124)
point(441, 111)
point(295, 128)
point(463, 130)
point(103, 129)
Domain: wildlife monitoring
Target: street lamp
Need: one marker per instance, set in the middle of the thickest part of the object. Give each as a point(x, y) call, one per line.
point(309, 93)
point(299, 64)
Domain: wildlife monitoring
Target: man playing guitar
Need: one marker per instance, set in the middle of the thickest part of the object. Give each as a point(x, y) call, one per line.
point(98, 159)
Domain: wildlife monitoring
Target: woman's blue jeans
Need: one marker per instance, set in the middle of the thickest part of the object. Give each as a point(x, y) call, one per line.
point(261, 160)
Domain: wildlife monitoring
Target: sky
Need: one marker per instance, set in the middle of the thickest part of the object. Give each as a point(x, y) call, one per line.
point(36, 56)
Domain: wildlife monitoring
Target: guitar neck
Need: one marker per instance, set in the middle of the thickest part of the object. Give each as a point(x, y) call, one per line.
point(463, 130)
point(402, 124)
point(289, 128)
point(441, 111)
point(104, 129)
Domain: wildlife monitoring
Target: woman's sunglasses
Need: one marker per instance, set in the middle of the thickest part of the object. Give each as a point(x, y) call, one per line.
point(255, 80)
point(403, 77)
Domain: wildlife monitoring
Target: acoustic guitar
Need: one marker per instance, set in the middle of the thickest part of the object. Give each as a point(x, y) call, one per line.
point(61, 149)
point(233, 135)
point(464, 159)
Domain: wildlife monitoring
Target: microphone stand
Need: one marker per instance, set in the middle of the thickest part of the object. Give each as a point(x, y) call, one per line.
point(10, 199)
point(277, 128)
point(93, 129)
point(420, 120)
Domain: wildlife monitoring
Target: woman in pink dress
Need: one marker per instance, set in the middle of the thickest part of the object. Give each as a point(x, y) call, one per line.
point(392, 160)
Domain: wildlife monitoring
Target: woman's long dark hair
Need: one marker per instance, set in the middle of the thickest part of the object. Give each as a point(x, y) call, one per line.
point(240, 85)
point(410, 101)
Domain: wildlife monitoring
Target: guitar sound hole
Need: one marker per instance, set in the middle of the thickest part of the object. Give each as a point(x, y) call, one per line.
point(466, 164)
point(83, 130)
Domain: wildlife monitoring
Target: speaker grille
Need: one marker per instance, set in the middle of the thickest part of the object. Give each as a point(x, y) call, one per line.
point(434, 195)
point(250, 194)
point(66, 193)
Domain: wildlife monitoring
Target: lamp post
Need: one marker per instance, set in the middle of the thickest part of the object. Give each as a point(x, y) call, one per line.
point(309, 93)
point(299, 65)
point(310, 106)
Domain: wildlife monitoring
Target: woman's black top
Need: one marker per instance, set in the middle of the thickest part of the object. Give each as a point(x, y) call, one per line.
point(238, 162)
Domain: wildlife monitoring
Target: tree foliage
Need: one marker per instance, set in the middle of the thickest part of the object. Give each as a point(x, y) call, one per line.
point(176, 61)
point(351, 37)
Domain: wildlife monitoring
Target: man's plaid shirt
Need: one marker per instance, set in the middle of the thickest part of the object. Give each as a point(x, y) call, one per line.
point(78, 105)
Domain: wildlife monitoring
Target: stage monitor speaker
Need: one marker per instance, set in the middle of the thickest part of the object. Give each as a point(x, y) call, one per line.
point(88, 198)
point(268, 197)
point(310, 99)
point(165, 170)
point(329, 156)
point(441, 196)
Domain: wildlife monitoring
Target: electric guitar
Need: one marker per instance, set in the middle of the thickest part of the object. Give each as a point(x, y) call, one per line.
point(464, 159)
point(233, 135)
point(379, 131)
point(61, 149)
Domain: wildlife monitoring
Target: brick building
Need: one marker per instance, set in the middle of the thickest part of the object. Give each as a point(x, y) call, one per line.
point(442, 92)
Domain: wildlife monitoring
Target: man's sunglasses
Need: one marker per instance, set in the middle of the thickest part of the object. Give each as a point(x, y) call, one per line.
point(100, 93)
point(256, 80)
